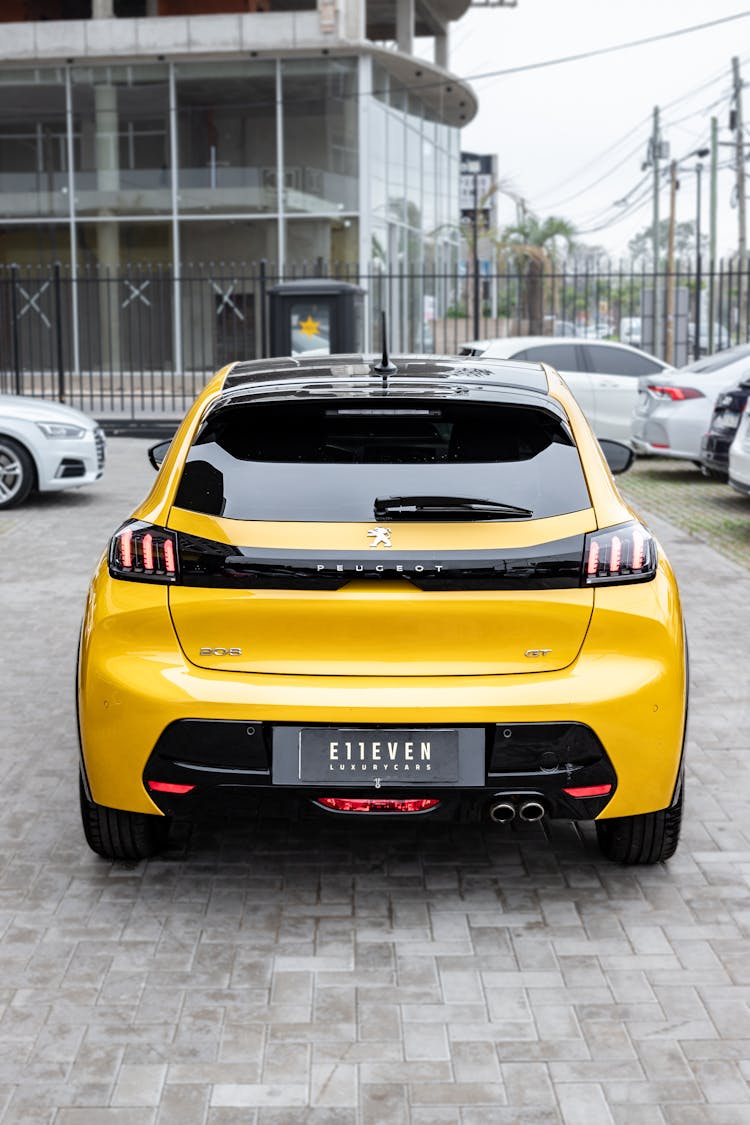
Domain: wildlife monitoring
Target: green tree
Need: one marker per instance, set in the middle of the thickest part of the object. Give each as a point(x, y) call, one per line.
point(532, 245)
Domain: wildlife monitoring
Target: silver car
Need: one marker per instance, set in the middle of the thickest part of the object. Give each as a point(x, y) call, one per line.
point(45, 446)
point(674, 413)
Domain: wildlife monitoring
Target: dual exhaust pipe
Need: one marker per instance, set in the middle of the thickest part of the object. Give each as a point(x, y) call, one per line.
point(505, 810)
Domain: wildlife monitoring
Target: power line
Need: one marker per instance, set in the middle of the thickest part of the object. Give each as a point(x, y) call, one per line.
point(608, 50)
point(610, 171)
point(692, 92)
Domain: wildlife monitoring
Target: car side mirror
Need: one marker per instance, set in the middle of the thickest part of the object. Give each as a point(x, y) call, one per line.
point(619, 456)
point(158, 452)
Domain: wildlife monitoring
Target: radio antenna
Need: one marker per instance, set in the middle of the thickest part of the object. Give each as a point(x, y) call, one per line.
point(385, 367)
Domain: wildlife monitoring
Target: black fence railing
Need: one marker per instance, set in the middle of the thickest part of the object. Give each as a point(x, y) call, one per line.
point(140, 343)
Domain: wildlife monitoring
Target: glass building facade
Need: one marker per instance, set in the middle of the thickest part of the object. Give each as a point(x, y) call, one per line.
point(202, 170)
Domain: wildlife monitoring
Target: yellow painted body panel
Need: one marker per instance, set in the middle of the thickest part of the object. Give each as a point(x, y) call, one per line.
point(382, 629)
point(628, 685)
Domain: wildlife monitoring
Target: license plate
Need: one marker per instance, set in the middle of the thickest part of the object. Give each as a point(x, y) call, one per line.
point(378, 757)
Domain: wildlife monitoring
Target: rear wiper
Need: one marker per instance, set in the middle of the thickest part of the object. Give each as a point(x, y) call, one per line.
point(446, 508)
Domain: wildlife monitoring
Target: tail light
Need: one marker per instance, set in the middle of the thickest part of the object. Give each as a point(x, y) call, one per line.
point(143, 552)
point(626, 553)
point(677, 394)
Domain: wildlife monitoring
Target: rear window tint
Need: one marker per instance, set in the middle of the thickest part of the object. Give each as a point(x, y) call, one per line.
point(328, 461)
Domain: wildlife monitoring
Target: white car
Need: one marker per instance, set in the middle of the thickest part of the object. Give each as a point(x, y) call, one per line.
point(45, 446)
point(603, 376)
point(673, 414)
point(739, 456)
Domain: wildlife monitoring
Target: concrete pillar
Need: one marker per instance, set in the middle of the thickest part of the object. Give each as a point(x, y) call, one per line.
point(102, 9)
point(441, 49)
point(354, 19)
point(108, 233)
point(405, 26)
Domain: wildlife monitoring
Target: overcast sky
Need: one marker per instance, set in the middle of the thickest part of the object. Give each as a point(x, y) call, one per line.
point(558, 130)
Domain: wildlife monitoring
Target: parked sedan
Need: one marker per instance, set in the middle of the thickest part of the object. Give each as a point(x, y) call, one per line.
point(728, 410)
point(674, 414)
point(45, 446)
point(603, 376)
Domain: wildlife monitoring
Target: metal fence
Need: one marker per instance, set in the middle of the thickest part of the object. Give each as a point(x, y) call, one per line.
point(140, 344)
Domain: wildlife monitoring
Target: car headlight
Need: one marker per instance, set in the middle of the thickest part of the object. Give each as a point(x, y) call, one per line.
point(61, 430)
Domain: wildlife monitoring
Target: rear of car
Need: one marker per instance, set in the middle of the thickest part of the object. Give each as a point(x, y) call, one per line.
point(411, 593)
point(729, 409)
point(673, 413)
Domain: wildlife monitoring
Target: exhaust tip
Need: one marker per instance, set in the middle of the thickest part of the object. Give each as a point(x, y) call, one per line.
point(502, 812)
point(532, 810)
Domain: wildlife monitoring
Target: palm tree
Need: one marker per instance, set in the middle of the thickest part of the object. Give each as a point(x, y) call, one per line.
point(532, 244)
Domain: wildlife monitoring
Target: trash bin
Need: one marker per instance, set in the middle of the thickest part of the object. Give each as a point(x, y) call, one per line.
point(315, 316)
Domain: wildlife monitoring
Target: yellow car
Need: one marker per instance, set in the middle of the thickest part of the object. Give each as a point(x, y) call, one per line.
point(384, 589)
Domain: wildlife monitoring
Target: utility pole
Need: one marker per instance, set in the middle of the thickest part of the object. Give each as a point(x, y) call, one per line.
point(698, 261)
point(655, 155)
point(739, 135)
point(712, 232)
point(669, 342)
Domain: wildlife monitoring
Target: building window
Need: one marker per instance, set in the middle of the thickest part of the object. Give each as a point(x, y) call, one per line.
point(320, 114)
point(227, 137)
point(33, 144)
point(121, 140)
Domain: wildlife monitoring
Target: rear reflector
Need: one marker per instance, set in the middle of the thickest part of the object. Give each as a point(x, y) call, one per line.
point(170, 787)
point(377, 804)
point(589, 791)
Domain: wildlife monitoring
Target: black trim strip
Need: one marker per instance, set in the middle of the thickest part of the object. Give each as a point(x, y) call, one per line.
point(546, 566)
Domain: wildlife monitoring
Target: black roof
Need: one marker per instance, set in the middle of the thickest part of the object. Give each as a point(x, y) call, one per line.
point(354, 374)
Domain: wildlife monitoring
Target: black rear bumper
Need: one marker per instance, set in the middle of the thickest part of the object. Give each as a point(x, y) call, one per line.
point(225, 765)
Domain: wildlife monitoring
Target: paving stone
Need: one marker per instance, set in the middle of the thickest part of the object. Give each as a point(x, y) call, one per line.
point(282, 974)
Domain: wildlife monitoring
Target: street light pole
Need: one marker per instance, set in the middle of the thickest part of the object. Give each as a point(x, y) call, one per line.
point(698, 263)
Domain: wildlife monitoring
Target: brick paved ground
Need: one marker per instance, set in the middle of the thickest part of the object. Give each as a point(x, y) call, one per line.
point(268, 975)
point(708, 509)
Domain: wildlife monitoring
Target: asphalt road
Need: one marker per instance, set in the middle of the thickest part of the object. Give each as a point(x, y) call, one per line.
point(278, 974)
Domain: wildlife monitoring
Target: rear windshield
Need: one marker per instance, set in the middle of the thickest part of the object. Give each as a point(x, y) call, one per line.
point(329, 461)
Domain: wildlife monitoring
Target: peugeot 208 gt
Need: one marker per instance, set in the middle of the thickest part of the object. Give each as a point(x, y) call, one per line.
point(384, 590)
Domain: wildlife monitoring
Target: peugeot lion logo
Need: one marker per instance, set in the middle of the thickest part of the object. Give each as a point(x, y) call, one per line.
point(381, 536)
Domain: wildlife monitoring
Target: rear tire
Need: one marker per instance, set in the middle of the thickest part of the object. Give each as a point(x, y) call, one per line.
point(646, 838)
point(117, 834)
point(17, 475)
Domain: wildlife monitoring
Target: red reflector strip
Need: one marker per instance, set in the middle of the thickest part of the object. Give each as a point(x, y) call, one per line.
point(593, 563)
point(126, 549)
point(638, 544)
point(169, 556)
point(589, 791)
point(148, 551)
point(377, 804)
point(169, 787)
